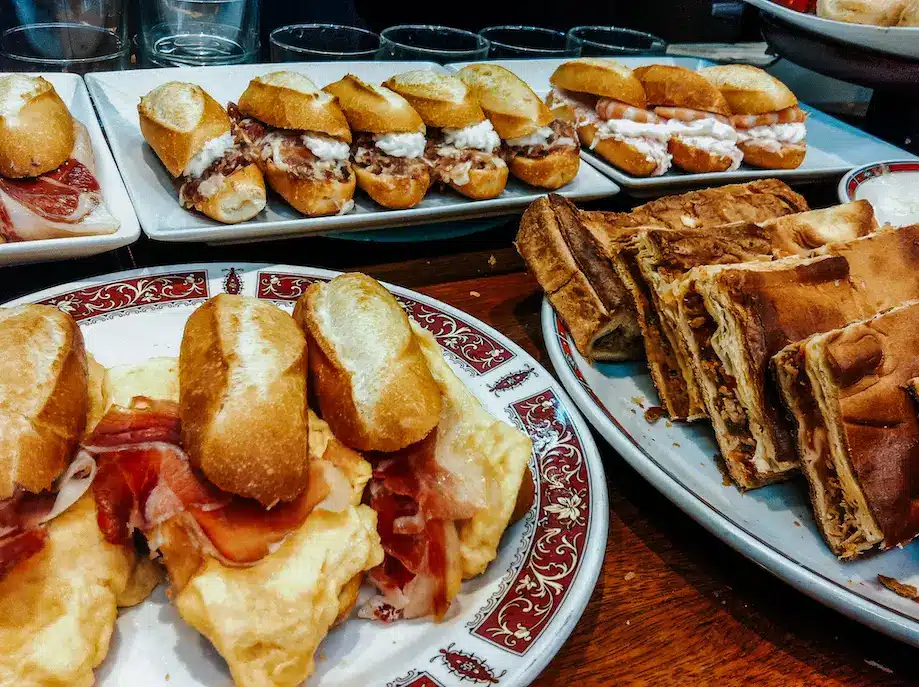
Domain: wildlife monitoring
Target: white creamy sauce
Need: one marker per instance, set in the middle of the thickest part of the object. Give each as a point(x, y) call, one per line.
point(401, 145)
point(537, 138)
point(778, 133)
point(326, 148)
point(894, 197)
point(212, 151)
point(481, 136)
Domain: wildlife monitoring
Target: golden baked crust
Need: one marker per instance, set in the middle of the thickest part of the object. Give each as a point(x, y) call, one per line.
point(789, 156)
point(312, 197)
point(750, 90)
point(618, 153)
point(681, 87)
point(441, 99)
point(509, 103)
point(483, 183)
point(241, 197)
point(551, 171)
point(374, 108)
point(242, 381)
point(397, 192)
point(696, 160)
point(40, 136)
point(599, 76)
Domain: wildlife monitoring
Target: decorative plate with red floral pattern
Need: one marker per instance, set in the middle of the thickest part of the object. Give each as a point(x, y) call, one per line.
point(506, 624)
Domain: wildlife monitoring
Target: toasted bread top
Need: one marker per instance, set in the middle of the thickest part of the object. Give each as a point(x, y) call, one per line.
point(602, 77)
point(442, 100)
point(375, 109)
point(290, 100)
point(512, 106)
point(673, 86)
point(36, 130)
point(748, 89)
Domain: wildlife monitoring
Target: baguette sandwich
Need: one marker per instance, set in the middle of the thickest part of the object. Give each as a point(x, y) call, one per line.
point(446, 476)
point(607, 104)
point(540, 149)
point(192, 135)
point(462, 144)
point(857, 428)
point(48, 184)
point(389, 143)
point(300, 140)
point(698, 116)
point(60, 581)
point(769, 123)
point(237, 486)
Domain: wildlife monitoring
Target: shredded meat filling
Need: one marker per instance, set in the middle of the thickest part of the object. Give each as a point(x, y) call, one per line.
point(563, 138)
point(196, 190)
point(453, 165)
point(370, 158)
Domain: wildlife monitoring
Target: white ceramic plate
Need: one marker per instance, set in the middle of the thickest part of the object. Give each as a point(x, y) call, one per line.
point(116, 95)
point(902, 173)
point(894, 40)
point(509, 622)
point(833, 147)
point(772, 526)
point(73, 92)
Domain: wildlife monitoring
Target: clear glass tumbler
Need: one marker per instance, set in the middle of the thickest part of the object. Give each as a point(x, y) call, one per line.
point(527, 41)
point(594, 41)
point(431, 43)
point(198, 32)
point(61, 36)
point(319, 42)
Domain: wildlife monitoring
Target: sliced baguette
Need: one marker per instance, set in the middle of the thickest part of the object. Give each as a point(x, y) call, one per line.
point(374, 109)
point(442, 100)
point(510, 104)
point(36, 134)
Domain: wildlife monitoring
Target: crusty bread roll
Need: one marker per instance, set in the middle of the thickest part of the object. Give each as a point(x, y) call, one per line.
point(673, 86)
point(313, 197)
point(910, 14)
point(550, 172)
point(874, 12)
point(375, 109)
point(290, 100)
point(510, 104)
point(36, 133)
point(374, 387)
point(696, 160)
point(396, 192)
point(43, 395)
point(601, 77)
point(484, 183)
point(177, 119)
point(240, 198)
point(788, 156)
point(242, 398)
point(440, 99)
point(618, 152)
point(748, 89)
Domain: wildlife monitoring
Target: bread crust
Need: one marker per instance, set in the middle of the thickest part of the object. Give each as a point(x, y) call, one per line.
point(789, 156)
point(43, 396)
point(750, 90)
point(241, 197)
point(175, 145)
point(618, 153)
point(483, 183)
point(872, 12)
point(375, 109)
point(436, 98)
point(602, 77)
point(397, 192)
point(242, 398)
point(510, 104)
point(681, 87)
point(312, 197)
point(288, 108)
point(405, 403)
point(696, 160)
point(552, 171)
point(40, 137)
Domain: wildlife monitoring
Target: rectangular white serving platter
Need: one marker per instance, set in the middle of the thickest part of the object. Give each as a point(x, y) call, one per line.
point(73, 92)
point(116, 95)
point(833, 147)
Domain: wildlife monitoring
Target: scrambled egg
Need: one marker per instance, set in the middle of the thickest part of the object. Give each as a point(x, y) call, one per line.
point(499, 451)
point(58, 608)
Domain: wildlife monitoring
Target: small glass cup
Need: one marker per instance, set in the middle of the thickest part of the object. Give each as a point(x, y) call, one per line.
point(63, 36)
point(431, 43)
point(319, 42)
point(528, 41)
point(198, 32)
point(596, 41)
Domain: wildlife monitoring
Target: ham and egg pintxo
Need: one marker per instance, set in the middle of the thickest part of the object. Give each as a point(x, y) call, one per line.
point(48, 187)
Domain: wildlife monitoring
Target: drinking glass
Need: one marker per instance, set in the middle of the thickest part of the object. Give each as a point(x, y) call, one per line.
point(317, 42)
point(198, 32)
point(431, 43)
point(63, 36)
point(596, 41)
point(528, 41)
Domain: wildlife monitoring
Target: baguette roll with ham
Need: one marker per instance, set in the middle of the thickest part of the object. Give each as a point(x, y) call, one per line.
point(389, 142)
point(192, 135)
point(540, 149)
point(299, 138)
point(462, 144)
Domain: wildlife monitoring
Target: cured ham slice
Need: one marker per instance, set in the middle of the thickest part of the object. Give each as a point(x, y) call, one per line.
point(145, 479)
point(64, 202)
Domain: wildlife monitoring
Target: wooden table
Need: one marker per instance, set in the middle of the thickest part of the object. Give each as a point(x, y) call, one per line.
point(673, 604)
